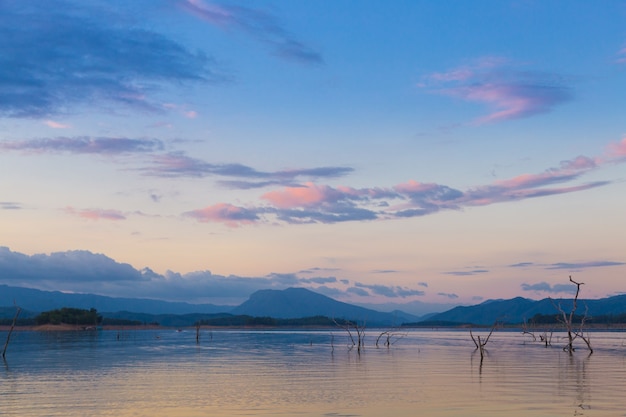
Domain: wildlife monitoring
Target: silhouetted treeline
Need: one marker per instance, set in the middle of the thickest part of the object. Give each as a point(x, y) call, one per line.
point(577, 318)
point(69, 316)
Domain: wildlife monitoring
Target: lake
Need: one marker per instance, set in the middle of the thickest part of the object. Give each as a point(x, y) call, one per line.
point(307, 373)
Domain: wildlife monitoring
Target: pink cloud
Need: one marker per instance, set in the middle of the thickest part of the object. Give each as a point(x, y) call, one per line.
point(580, 163)
point(256, 23)
point(228, 214)
point(307, 195)
point(312, 203)
point(191, 114)
point(212, 13)
point(56, 125)
point(531, 180)
point(621, 56)
point(413, 186)
point(510, 93)
point(510, 101)
point(96, 214)
point(617, 150)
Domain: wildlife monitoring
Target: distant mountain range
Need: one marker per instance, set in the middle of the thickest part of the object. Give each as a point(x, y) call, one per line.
point(37, 301)
point(291, 303)
point(519, 309)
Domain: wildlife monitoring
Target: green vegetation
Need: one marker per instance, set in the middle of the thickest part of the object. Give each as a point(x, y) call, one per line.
point(69, 316)
point(577, 319)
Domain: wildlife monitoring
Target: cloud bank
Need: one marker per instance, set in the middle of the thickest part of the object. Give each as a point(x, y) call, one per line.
point(309, 202)
point(82, 271)
point(54, 57)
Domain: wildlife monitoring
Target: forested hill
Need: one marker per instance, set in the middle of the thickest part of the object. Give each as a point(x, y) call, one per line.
point(518, 310)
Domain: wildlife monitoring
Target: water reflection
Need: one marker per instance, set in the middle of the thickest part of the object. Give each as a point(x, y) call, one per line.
point(166, 373)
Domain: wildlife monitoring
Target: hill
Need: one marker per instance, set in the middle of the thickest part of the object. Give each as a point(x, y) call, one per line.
point(38, 301)
point(291, 303)
point(300, 302)
point(518, 309)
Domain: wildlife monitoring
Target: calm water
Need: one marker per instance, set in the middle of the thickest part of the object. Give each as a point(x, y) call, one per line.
point(280, 373)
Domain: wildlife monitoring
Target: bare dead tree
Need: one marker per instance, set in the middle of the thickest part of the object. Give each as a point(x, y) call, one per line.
point(526, 330)
point(567, 319)
point(530, 329)
point(390, 337)
point(6, 344)
point(480, 343)
point(546, 338)
point(359, 329)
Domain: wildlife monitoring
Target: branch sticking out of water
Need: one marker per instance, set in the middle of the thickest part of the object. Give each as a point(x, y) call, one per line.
point(568, 322)
point(6, 344)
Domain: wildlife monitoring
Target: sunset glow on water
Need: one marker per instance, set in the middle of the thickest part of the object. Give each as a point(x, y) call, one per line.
point(237, 373)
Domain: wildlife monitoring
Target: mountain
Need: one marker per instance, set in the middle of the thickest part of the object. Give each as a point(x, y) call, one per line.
point(518, 309)
point(38, 301)
point(416, 307)
point(292, 303)
point(300, 302)
point(289, 303)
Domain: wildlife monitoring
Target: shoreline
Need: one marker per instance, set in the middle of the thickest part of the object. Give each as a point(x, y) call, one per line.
point(63, 327)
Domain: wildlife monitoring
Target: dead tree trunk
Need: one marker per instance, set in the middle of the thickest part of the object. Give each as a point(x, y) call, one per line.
point(480, 344)
point(391, 337)
point(568, 322)
point(6, 344)
point(360, 334)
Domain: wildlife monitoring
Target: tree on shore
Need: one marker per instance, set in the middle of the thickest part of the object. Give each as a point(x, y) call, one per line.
point(69, 315)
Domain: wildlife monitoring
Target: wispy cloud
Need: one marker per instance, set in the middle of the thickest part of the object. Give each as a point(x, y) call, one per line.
point(53, 58)
point(178, 164)
point(228, 214)
point(574, 266)
point(545, 287)
point(522, 265)
point(583, 265)
point(96, 214)
point(257, 24)
point(312, 203)
point(508, 91)
point(451, 296)
point(10, 205)
point(467, 273)
point(616, 152)
point(56, 125)
point(390, 291)
point(83, 145)
point(621, 56)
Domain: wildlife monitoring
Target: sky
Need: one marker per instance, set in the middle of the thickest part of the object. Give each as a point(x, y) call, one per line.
point(372, 151)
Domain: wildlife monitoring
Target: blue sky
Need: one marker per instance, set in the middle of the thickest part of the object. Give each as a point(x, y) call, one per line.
point(373, 151)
